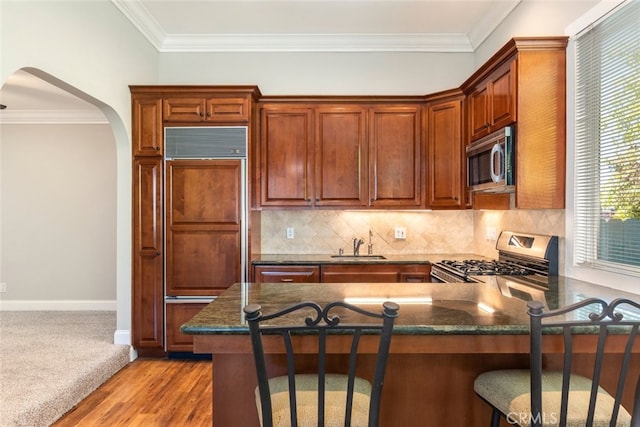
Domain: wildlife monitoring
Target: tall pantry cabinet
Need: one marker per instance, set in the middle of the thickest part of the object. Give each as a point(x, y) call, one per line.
point(178, 218)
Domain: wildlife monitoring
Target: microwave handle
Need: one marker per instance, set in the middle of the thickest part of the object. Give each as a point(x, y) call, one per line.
point(497, 177)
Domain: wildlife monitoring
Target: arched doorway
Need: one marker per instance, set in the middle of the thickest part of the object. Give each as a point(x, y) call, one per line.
point(61, 181)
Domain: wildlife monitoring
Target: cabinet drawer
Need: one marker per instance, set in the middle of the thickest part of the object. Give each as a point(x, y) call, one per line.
point(286, 274)
point(363, 273)
point(177, 314)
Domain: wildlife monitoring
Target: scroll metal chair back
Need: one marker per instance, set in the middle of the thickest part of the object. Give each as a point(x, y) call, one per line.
point(320, 397)
point(537, 397)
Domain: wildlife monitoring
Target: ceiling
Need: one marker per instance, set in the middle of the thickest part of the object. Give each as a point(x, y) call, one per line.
point(316, 25)
point(273, 26)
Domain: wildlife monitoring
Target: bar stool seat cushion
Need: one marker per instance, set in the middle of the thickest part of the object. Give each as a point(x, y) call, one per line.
point(307, 400)
point(509, 392)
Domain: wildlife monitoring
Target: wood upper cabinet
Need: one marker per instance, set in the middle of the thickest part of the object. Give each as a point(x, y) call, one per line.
point(492, 102)
point(445, 154)
point(286, 156)
point(394, 156)
point(341, 156)
point(526, 82)
point(206, 109)
point(347, 155)
point(146, 128)
point(147, 291)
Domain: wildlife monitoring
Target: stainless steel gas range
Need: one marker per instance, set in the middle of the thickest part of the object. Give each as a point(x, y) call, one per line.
point(525, 261)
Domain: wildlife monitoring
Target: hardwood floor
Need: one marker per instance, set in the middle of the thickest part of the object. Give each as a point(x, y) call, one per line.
point(149, 392)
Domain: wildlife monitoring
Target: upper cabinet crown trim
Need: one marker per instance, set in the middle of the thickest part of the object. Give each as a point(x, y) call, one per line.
point(514, 45)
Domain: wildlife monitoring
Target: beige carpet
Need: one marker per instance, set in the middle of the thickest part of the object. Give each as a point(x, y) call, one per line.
point(50, 361)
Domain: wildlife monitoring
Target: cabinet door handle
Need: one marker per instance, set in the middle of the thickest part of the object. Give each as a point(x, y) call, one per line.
point(286, 280)
point(201, 114)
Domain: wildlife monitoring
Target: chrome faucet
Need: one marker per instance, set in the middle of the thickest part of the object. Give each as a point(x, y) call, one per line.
point(356, 246)
point(370, 245)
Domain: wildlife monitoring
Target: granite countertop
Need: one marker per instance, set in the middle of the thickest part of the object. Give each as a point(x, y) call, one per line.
point(446, 308)
point(301, 259)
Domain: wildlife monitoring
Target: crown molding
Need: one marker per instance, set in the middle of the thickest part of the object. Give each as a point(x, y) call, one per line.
point(52, 117)
point(317, 43)
point(140, 17)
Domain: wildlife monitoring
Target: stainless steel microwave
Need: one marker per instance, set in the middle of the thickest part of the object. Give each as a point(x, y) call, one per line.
point(491, 162)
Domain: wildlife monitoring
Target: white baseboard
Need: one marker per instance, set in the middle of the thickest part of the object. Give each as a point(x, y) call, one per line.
point(61, 305)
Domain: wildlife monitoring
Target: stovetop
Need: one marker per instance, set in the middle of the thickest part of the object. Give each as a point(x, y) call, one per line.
point(525, 255)
point(475, 267)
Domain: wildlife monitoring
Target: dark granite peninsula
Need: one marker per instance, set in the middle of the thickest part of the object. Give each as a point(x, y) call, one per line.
point(445, 335)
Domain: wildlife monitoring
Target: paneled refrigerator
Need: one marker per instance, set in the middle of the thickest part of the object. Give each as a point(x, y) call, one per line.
point(205, 221)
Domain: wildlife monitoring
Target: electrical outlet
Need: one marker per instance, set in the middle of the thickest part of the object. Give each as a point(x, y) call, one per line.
point(3, 287)
point(401, 233)
point(290, 233)
point(491, 233)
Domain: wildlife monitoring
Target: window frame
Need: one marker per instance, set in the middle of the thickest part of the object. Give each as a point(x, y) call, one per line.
point(625, 279)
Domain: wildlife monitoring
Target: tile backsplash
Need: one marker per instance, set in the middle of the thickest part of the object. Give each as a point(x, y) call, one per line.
point(433, 232)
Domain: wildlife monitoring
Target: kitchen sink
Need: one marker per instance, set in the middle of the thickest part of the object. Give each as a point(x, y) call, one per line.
point(359, 256)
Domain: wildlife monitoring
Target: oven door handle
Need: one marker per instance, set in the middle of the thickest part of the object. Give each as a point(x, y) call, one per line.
point(497, 177)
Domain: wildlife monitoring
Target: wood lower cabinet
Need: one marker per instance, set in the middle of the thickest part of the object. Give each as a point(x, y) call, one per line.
point(178, 313)
point(286, 274)
point(342, 273)
point(378, 273)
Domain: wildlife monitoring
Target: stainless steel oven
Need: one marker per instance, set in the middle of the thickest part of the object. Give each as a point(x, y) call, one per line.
point(525, 262)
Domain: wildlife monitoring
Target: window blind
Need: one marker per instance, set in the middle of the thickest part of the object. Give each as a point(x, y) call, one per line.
point(607, 174)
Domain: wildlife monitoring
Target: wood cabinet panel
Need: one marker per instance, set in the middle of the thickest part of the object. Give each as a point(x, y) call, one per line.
point(286, 274)
point(177, 315)
point(203, 226)
point(341, 156)
point(503, 96)
point(195, 109)
point(380, 273)
point(445, 186)
point(492, 103)
point(541, 130)
point(147, 290)
point(146, 128)
point(394, 156)
point(286, 151)
point(526, 82)
point(352, 155)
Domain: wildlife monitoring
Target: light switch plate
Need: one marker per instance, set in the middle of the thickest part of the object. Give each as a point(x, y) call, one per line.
point(401, 233)
point(290, 233)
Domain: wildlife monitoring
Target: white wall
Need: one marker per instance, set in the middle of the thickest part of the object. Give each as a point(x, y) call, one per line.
point(322, 73)
point(533, 18)
point(92, 50)
point(59, 215)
